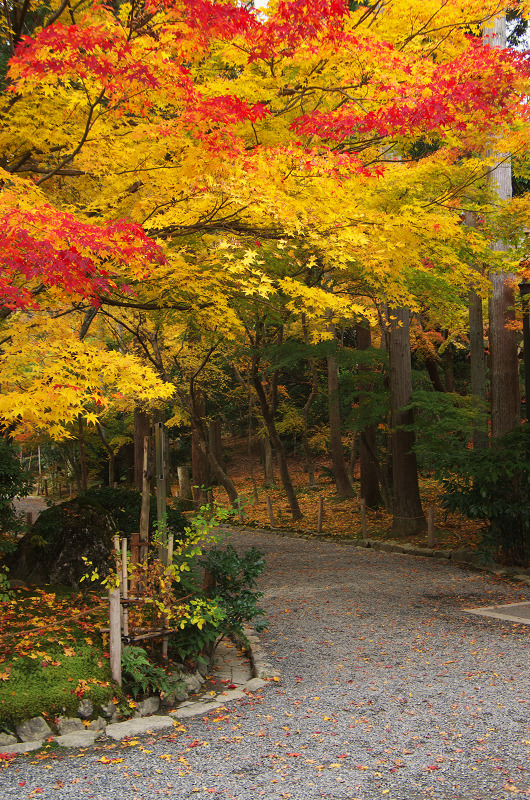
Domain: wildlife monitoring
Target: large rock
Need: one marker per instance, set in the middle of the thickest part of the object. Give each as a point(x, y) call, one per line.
point(52, 551)
point(33, 730)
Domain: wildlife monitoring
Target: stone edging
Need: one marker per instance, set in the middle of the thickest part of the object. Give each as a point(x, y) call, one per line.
point(463, 557)
point(262, 671)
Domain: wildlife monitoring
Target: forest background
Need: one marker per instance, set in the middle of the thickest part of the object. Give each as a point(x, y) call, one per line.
point(256, 222)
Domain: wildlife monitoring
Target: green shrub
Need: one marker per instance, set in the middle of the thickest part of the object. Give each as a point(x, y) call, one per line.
point(233, 586)
point(444, 425)
point(199, 630)
point(124, 505)
point(494, 485)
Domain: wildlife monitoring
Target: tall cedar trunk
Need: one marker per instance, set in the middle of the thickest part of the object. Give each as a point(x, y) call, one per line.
point(142, 428)
point(504, 364)
point(342, 482)
point(449, 377)
point(370, 491)
point(477, 355)
point(308, 455)
point(278, 446)
point(215, 440)
point(409, 518)
point(82, 454)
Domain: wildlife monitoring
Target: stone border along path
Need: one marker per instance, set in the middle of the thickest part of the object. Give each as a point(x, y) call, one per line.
point(229, 666)
point(389, 689)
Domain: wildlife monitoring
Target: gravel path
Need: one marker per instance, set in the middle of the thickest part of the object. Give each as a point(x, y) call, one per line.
point(388, 690)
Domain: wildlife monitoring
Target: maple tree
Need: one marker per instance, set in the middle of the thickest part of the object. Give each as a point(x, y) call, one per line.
point(214, 129)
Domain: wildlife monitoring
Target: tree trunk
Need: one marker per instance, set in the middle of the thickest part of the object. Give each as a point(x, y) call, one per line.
point(308, 455)
point(342, 482)
point(370, 468)
point(183, 477)
point(477, 356)
point(409, 518)
point(504, 364)
point(82, 454)
point(110, 452)
point(142, 428)
point(200, 471)
point(448, 369)
point(278, 446)
point(215, 440)
point(431, 366)
point(268, 464)
point(204, 463)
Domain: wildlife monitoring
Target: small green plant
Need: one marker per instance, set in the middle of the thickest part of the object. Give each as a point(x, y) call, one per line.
point(200, 628)
point(233, 585)
point(141, 676)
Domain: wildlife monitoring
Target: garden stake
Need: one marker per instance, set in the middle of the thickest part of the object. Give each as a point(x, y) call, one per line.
point(430, 528)
point(362, 504)
point(320, 514)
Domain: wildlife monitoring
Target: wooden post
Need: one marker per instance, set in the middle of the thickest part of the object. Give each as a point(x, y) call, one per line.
point(124, 584)
point(135, 558)
point(320, 514)
point(269, 509)
point(239, 510)
point(430, 528)
point(160, 491)
point(146, 502)
point(29, 518)
point(45, 487)
point(170, 543)
point(362, 504)
point(115, 634)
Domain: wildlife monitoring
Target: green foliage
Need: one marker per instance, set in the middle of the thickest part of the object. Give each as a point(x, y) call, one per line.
point(494, 485)
point(444, 424)
point(124, 505)
point(141, 676)
point(199, 630)
point(14, 482)
point(234, 581)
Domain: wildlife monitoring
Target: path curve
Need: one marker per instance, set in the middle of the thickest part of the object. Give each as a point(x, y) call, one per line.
point(389, 689)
